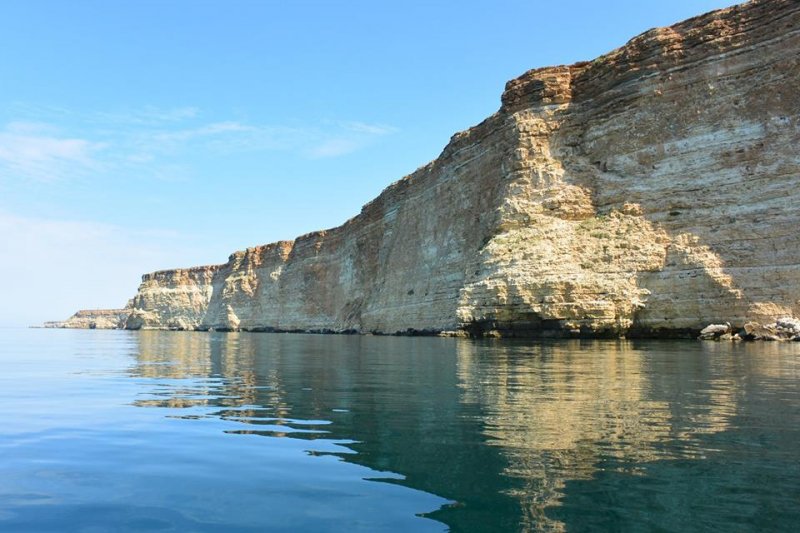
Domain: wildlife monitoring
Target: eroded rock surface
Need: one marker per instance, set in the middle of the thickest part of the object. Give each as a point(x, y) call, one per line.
point(651, 191)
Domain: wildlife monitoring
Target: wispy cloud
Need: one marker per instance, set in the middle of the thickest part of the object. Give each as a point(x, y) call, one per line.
point(334, 148)
point(154, 142)
point(206, 130)
point(369, 129)
point(327, 139)
point(342, 138)
point(147, 116)
point(135, 116)
point(36, 151)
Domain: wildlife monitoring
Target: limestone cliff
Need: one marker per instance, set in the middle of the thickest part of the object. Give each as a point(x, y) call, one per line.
point(650, 191)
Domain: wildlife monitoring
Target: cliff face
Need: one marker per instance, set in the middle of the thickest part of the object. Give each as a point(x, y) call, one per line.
point(650, 191)
point(176, 299)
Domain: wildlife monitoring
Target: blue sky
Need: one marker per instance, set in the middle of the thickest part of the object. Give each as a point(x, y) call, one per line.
point(142, 135)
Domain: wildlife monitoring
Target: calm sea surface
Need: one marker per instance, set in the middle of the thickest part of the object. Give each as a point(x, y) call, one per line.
point(189, 431)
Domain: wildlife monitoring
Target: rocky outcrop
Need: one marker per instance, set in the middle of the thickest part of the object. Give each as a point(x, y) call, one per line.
point(94, 319)
point(651, 191)
point(783, 329)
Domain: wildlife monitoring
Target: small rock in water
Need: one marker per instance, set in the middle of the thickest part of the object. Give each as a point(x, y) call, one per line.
point(714, 332)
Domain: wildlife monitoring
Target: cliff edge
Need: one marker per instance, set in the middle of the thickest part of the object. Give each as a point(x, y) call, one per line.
point(648, 192)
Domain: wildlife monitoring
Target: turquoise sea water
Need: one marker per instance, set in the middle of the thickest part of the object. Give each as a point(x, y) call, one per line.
point(190, 431)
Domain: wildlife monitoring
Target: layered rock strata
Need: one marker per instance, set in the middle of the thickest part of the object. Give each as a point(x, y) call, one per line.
point(651, 191)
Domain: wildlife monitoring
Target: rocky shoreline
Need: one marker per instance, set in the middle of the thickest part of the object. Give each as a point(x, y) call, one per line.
point(783, 329)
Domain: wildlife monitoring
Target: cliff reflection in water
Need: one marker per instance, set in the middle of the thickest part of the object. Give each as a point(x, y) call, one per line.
point(558, 411)
point(502, 429)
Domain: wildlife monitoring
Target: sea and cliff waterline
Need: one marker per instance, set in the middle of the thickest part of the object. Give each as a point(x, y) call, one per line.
point(198, 431)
